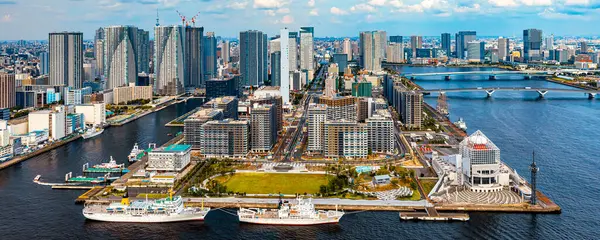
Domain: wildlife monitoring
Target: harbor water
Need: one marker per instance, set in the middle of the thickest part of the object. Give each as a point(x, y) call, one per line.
point(561, 128)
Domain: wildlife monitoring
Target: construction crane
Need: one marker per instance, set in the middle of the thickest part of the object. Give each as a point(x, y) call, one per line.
point(183, 22)
point(194, 19)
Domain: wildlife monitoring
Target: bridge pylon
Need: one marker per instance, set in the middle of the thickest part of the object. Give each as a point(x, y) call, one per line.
point(447, 77)
point(542, 93)
point(492, 77)
point(490, 92)
point(527, 77)
point(591, 95)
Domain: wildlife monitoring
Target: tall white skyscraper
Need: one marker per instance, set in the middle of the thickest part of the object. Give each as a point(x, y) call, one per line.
point(371, 50)
point(549, 43)
point(285, 68)
point(306, 48)
point(347, 48)
point(66, 59)
point(99, 54)
point(293, 51)
point(121, 56)
point(169, 60)
point(225, 51)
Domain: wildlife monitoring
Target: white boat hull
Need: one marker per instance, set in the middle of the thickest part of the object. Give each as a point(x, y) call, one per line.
point(88, 136)
point(290, 222)
point(107, 217)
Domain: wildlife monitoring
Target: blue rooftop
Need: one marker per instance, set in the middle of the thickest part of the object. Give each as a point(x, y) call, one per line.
point(177, 148)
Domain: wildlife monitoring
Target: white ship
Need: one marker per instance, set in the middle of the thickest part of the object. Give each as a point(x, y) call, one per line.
point(134, 153)
point(461, 124)
point(109, 165)
point(301, 214)
point(92, 132)
point(169, 209)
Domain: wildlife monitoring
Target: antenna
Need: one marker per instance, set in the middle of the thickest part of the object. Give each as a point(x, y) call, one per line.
point(157, 22)
point(534, 169)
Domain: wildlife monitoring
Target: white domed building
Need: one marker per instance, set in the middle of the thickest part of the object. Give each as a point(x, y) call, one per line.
point(480, 163)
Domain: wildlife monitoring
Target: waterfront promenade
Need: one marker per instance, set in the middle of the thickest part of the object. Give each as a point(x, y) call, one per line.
point(27, 156)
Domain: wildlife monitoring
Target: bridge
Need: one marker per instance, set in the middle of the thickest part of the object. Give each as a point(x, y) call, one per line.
point(492, 74)
point(491, 90)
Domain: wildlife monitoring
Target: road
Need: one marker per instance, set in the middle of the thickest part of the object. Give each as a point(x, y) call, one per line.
point(319, 201)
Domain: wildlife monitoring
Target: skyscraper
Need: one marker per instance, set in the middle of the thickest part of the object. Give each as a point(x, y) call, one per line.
point(383, 39)
point(8, 98)
point(253, 57)
point(276, 68)
point(476, 51)
point(143, 45)
point(169, 58)
point(396, 39)
point(532, 45)
point(194, 77)
point(584, 47)
point(225, 52)
point(44, 63)
point(503, 44)
point(549, 42)
point(395, 53)
point(66, 59)
point(306, 47)
point(121, 56)
point(293, 50)
point(285, 68)
point(347, 48)
point(446, 43)
point(371, 50)
point(416, 42)
point(99, 53)
point(461, 41)
point(209, 43)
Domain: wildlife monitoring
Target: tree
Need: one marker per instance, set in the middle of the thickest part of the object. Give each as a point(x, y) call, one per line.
point(323, 189)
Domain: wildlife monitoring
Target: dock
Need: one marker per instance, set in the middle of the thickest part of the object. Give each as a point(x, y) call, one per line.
point(431, 214)
point(86, 196)
point(72, 187)
point(106, 170)
point(38, 152)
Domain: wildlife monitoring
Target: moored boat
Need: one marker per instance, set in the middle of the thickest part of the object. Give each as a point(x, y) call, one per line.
point(92, 132)
point(300, 214)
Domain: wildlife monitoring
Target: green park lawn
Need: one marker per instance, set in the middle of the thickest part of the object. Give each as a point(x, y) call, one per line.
point(265, 183)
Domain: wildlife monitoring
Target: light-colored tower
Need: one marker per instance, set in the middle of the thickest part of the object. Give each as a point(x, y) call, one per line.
point(121, 55)
point(285, 68)
point(306, 48)
point(66, 59)
point(99, 53)
point(293, 51)
point(347, 48)
point(170, 63)
point(225, 52)
point(371, 50)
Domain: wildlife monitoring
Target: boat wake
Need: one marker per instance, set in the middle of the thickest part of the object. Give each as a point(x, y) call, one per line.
point(37, 180)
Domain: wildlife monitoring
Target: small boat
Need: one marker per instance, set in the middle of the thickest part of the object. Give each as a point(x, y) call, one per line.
point(37, 178)
point(134, 153)
point(92, 132)
point(461, 124)
point(109, 165)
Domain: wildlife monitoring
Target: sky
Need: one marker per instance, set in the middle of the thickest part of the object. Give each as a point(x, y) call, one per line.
point(34, 19)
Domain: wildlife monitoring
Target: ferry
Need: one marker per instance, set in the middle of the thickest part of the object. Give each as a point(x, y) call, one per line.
point(134, 153)
point(461, 124)
point(112, 164)
point(302, 213)
point(169, 209)
point(92, 132)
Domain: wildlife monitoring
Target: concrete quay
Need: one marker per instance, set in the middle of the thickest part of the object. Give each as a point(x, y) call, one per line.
point(22, 158)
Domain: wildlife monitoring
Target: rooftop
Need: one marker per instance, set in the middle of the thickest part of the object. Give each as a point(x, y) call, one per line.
point(177, 148)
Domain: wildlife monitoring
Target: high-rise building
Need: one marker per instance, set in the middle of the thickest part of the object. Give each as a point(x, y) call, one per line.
point(169, 58)
point(416, 42)
point(99, 53)
point(380, 131)
point(276, 68)
point(143, 52)
point(549, 42)
point(480, 160)
point(210, 55)
point(446, 43)
point(8, 98)
point(225, 138)
point(476, 51)
point(396, 39)
point(306, 48)
point(347, 48)
point(100, 34)
point(317, 115)
point(284, 61)
point(263, 127)
point(461, 41)
point(340, 107)
point(274, 100)
point(253, 57)
point(532, 45)
point(220, 87)
point(409, 104)
point(121, 56)
point(584, 47)
point(503, 48)
point(44, 64)
point(293, 51)
point(383, 41)
point(371, 50)
point(193, 124)
point(229, 105)
point(341, 60)
point(345, 139)
point(194, 59)
point(395, 53)
point(225, 52)
point(66, 59)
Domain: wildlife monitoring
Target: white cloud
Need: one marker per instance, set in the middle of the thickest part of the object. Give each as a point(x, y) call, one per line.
point(396, 3)
point(270, 4)
point(577, 2)
point(169, 3)
point(363, 8)
point(237, 5)
point(283, 10)
point(537, 2)
point(270, 12)
point(314, 12)
point(377, 2)
point(287, 19)
point(503, 3)
point(7, 18)
point(337, 11)
point(551, 13)
point(464, 9)
point(311, 3)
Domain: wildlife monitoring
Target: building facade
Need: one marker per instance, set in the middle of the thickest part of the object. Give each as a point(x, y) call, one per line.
point(169, 61)
point(317, 115)
point(66, 59)
point(220, 87)
point(345, 139)
point(339, 108)
point(121, 56)
point(194, 58)
point(285, 67)
point(192, 125)
point(209, 43)
point(123, 95)
point(380, 131)
point(532, 45)
point(253, 57)
point(263, 127)
point(8, 98)
point(371, 50)
point(306, 48)
point(446, 43)
point(225, 138)
point(174, 158)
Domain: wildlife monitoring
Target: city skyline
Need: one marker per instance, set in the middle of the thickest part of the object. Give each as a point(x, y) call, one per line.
point(331, 18)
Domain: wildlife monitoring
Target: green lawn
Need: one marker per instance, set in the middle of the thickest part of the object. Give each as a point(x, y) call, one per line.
point(428, 185)
point(274, 183)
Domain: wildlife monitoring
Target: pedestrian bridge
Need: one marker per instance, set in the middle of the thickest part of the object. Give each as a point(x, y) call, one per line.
point(491, 90)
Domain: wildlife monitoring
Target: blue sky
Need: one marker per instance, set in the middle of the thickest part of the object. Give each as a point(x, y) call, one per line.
point(33, 19)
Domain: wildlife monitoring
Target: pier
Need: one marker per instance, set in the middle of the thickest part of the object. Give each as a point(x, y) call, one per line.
point(431, 214)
